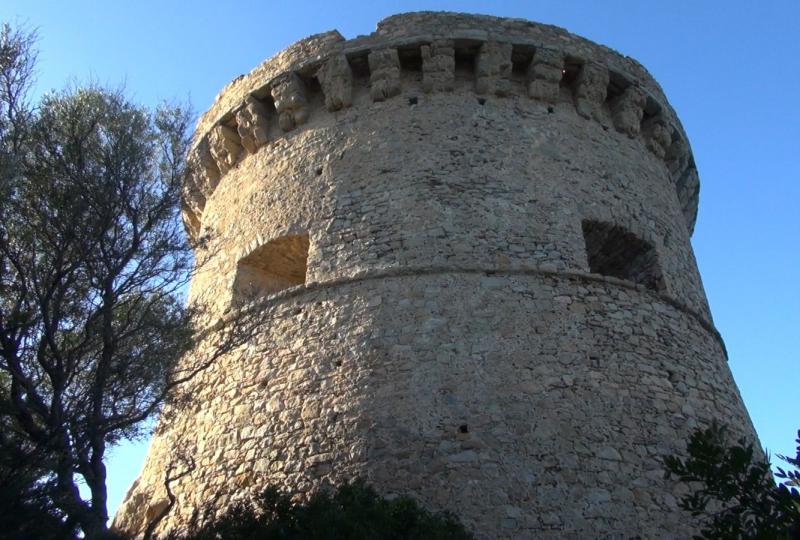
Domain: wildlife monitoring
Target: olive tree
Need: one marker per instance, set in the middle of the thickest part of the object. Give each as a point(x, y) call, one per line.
point(93, 269)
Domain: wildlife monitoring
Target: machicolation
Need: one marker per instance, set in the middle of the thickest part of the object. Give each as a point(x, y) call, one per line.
point(469, 238)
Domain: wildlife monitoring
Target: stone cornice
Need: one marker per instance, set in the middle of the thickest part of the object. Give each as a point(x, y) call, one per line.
point(509, 57)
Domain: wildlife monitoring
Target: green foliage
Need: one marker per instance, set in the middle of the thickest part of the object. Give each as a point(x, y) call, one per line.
point(792, 477)
point(93, 262)
point(736, 496)
point(353, 512)
point(25, 509)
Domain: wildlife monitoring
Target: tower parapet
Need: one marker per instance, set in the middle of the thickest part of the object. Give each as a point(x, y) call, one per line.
point(506, 57)
point(469, 238)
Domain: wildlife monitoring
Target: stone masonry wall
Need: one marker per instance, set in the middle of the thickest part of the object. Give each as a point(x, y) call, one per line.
point(451, 339)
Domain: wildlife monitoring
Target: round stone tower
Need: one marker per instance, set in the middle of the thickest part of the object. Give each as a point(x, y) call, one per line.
point(469, 240)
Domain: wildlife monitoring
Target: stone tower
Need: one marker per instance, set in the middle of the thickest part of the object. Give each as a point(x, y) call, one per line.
point(470, 239)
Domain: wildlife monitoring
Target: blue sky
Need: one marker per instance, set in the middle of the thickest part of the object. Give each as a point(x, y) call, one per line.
point(729, 68)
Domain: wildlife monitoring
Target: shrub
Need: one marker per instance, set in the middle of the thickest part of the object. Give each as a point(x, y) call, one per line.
point(353, 512)
point(734, 493)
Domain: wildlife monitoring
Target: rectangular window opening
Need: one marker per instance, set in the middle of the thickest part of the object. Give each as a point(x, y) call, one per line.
point(359, 66)
point(279, 264)
point(464, 60)
point(570, 75)
point(410, 58)
point(521, 58)
point(614, 251)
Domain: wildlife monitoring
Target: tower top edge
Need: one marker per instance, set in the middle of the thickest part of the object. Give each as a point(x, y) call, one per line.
point(276, 87)
point(409, 27)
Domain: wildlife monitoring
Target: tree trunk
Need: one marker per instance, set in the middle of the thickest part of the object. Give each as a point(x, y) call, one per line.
point(95, 527)
point(99, 506)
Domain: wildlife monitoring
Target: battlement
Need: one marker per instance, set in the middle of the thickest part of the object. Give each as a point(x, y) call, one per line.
point(417, 54)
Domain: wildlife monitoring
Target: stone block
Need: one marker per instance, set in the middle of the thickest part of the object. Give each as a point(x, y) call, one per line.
point(252, 125)
point(544, 75)
point(438, 66)
point(225, 146)
point(289, 93)
point(591, 86)
point(628, 110)
point(384, 79)
point(493, 69)
point(336, 79)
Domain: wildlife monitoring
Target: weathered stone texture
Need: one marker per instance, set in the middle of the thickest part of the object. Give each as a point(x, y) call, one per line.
point(657, 135)
point(493, 69)
point(628, 110)
point(289, 94)
point(225, 146)
point(337, 82)
point(486, 303)
point(545, 74)
point(438, 66)
point(252, 124)
point(384, 65)
point(590, 90)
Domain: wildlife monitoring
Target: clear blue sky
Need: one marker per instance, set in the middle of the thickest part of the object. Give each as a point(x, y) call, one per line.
point(729, 68)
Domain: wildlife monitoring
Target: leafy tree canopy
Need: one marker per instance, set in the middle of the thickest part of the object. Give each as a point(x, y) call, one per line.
point(93, 267)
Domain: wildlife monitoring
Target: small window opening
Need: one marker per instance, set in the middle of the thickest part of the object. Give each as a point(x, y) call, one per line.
point(313, 89)
point(612, 250)
point(410, 58)
point(359, 66)
point(569, 74)
point(463, 428)
point(277, 265)
point(521, 58)
point(464, 59)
